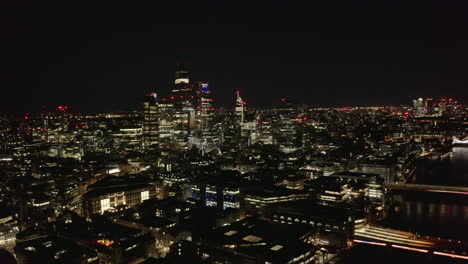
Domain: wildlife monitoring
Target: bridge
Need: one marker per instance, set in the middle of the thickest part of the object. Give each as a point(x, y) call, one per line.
point(427, 188)
point(385, 237)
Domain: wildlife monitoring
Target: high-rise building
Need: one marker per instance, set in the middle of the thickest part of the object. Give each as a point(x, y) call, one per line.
point(150, 130)
point(166, 122)
point(265, 123)
point(184, 94)
point(420, 106)
point(240, 108)
point(205, 113)
point(285, 129)
point(183, 97)
point(182, 79)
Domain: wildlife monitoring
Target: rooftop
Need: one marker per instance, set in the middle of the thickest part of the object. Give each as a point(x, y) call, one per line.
point(114, 189)
point(252, 236)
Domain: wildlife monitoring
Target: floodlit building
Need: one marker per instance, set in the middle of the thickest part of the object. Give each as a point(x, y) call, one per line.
point(114, 196)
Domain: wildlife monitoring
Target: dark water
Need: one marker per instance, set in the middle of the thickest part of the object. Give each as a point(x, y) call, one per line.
point(435, 214)
point(452, 171)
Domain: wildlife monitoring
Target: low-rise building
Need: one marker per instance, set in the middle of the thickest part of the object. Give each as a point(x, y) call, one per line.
point(333, 226)
point(118, 197)
point(252, 240)
point(256, 201)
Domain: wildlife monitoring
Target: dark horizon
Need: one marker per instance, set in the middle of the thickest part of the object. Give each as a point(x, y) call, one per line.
point(104, 58)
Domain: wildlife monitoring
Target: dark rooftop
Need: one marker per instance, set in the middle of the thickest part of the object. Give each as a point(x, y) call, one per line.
point(253, 236)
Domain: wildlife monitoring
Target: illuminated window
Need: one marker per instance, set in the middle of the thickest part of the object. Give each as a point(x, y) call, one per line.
point(105, 205)
point(144, 195)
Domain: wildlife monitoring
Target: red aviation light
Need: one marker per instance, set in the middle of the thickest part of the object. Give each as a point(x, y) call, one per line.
point(283, 99)
point(26, 117)
point(172, 97)
point(304, 118)
point(237, 92)
point(62, 107)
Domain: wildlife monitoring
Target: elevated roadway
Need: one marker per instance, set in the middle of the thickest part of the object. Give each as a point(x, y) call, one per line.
point(427, 188)
point(386, 237)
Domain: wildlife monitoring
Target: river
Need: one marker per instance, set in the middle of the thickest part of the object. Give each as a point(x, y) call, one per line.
point(434, 214)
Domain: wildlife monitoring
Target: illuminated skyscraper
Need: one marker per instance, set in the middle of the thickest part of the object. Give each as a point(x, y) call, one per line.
point(182, 79)
point(183, 97)
point(150, 121)
point(419, 106)
point(205, 113)
point(285, 126)
point(240, 108)
point(166, 122)
point(184, 93)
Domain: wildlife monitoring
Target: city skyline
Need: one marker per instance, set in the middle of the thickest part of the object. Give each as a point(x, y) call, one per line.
point(326, 55)
point(213, 132)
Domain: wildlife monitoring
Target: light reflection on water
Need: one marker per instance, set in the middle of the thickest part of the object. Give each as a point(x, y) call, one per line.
point(436, 214)
point(441, 215)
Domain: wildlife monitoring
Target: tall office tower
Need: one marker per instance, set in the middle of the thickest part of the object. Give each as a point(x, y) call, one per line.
point(249, 128)
point(430, 105)
point(420, 106)
point(166, 123)
point(240, 109)
point(286, 134)
point(205, 113)
point(184, 94)
point(265, 123)
point(150, 121)
point(182, 80)
point(183, 97)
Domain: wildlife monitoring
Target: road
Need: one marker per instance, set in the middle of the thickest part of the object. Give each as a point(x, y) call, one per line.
point(379, 236)
point(427, 188)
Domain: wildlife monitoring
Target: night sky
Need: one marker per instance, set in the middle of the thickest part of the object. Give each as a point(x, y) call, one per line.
point(106, 56)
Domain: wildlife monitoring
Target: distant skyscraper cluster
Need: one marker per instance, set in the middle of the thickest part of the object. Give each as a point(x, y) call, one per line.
point(187, 118)
point(182, 114)
point(437, 107)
